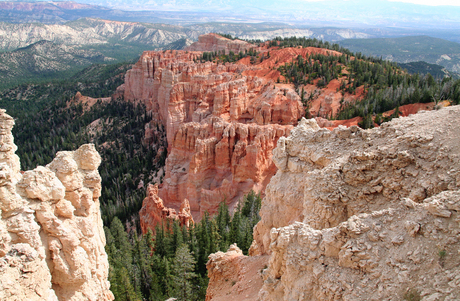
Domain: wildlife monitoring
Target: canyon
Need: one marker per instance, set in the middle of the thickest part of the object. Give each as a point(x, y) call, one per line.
point(345, 212)
point(52, 239)
point(222, 120)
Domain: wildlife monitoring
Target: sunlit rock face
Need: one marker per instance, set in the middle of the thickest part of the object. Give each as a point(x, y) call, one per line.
point(357, 214)
point(51, 236)
point(153, 212)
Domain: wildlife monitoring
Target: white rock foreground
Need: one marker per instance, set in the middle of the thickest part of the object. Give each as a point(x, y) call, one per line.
point(356, 214)
point(51, 234)
point(365, 214)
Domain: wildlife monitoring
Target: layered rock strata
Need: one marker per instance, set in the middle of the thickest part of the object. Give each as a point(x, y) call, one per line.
point(364, 214)
point(221, 121)
point(52, 240)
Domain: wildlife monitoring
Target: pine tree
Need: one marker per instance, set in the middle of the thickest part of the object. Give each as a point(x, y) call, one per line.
point(125, 289)
point(182, 274)
point(120, 259)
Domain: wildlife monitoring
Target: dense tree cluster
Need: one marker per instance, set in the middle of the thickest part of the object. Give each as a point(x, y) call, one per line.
point(315, 66)
point(306, 42)
point(228, 36)
point(222, 57)
point(172, 263)
point(403, 89)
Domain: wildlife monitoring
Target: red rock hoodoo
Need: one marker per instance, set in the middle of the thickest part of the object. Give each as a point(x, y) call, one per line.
point(221, 124)
point(222, 121)
point(154, 212)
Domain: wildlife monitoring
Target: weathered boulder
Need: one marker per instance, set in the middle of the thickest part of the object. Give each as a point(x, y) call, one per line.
point(235, 275)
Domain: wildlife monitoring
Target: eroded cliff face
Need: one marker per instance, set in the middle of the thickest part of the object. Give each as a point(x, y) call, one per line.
point(221, 120)
point(52, 240)
point(357, 214)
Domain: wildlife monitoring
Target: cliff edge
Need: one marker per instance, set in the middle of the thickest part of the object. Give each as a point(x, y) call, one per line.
point(356, 214)
point(365, 214)
point(51, 236)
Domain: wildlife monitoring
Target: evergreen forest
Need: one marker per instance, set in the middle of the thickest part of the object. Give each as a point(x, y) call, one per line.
point(172, 263)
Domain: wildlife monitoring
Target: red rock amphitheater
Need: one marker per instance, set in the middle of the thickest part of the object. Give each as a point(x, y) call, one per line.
point(222, 121)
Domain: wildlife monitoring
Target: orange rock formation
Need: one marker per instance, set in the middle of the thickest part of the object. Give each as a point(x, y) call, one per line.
point(154, 212)
point(222, 121)
point(221, 124)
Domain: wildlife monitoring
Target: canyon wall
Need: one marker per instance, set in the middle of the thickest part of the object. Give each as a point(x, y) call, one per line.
point(221, 121)
point(357, 214)
point(51, 234)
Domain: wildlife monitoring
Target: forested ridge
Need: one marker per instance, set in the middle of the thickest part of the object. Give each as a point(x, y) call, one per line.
point(386, 85)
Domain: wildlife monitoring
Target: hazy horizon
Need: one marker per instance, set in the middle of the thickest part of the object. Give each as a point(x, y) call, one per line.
point(404, 14)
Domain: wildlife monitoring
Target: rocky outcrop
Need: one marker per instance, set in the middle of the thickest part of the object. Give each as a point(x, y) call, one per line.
point(411, 249)
point(221, 120)
point(52, 240)
point(214, 42)
point(364, 214)
point(217, 160)
point(153, 211)
point(233, 274)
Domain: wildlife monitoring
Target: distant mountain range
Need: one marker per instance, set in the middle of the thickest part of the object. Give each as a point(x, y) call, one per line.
point(424, 68)
point(351, 13)
point(45, 61)
point(89, 31)
point(37, 52)
point(35, 34)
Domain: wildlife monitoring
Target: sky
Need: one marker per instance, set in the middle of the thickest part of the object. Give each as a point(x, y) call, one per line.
point(421, 2)
point(431, 2)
